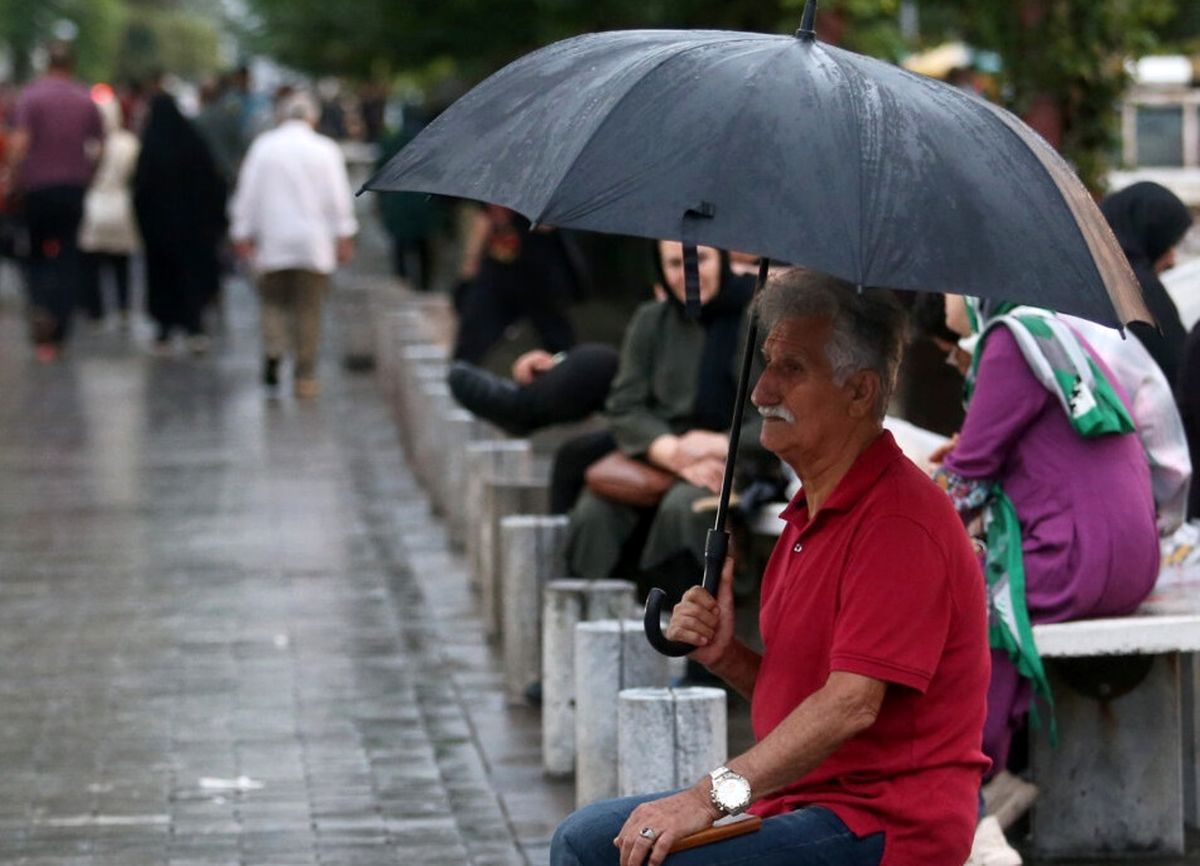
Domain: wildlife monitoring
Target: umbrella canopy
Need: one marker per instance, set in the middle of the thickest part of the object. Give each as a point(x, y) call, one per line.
point(784, 147)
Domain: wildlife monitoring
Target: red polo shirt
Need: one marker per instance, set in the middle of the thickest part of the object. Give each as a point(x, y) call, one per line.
point(883, 582)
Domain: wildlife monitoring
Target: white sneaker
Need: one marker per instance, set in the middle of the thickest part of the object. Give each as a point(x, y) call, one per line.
point(990, 848)
point(1008, 797)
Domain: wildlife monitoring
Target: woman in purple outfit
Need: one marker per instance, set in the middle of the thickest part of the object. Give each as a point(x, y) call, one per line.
point(1048, 458)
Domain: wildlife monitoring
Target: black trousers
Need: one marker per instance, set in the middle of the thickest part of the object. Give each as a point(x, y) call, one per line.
point(53, 215)
point(94, 266)
point(406, 254)
point(574, 388)
point(571, 462)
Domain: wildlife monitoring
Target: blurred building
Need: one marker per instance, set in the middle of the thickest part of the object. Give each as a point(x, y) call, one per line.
point(1160, 126)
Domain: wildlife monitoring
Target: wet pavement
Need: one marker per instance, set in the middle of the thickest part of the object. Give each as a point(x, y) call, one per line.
point(230, 631)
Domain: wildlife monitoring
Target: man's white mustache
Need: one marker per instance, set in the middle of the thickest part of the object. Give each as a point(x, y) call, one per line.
point(778, 412)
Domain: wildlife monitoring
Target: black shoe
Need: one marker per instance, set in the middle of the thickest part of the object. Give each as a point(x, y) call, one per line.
point(270, 376)
point(533, 694)
point(490, 397)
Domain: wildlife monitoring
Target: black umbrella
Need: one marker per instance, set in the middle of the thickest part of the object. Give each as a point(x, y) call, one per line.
point(784, 147)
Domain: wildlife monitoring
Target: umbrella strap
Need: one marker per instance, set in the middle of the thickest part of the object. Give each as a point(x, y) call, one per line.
point(691, 257)
point(691, 281)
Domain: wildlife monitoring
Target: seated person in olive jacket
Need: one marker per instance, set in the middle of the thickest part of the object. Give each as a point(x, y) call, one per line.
point(671, 405)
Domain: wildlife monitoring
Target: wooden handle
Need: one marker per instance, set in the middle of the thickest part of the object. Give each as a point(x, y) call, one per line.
point(716, 834)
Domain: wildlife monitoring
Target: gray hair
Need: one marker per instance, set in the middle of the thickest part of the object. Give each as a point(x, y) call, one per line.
point(869, 326)
point(300, 106)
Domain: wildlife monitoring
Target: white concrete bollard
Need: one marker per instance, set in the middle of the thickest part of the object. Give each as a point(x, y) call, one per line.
point(462, 428)
point(423, 380)
point(610, 655)
point(531, 555)
point(502, 497)
point(430, 466)
point(352, 304)
point(418, 363)
point(669, 738)
point(566, 603)
point(390, 329)
point(486, 458)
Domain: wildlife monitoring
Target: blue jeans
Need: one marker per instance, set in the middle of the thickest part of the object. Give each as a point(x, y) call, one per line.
point(812, 836)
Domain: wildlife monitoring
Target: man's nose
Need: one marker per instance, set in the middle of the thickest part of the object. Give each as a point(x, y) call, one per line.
point(763, 395)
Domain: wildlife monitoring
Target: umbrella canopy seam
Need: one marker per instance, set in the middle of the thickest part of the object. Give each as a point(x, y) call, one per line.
point(1045, 154)
point(668, 56)
point(813, 44)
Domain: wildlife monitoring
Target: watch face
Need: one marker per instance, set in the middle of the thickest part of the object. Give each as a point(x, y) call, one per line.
point(731, 793)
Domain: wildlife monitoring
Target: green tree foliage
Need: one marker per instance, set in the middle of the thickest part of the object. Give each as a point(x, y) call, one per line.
point(170, 40)
point(384, 36)
point(115, 37)
point(26, 24)
point(1071, 54)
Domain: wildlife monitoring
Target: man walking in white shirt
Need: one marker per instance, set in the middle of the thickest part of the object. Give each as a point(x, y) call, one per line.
point(293, 218)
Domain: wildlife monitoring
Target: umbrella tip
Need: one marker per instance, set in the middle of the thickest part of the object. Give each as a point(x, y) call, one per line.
point(806, 32)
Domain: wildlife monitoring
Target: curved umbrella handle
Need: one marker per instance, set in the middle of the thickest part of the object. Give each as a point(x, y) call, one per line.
point(716, 545)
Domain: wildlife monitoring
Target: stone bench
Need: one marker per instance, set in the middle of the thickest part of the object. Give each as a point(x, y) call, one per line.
point(1123, 778)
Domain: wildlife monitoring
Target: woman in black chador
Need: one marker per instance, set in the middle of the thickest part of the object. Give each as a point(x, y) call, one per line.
point(1148, 221)
point(179, 198)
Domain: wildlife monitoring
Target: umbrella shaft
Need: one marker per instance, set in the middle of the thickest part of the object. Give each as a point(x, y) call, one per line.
point(739, 403)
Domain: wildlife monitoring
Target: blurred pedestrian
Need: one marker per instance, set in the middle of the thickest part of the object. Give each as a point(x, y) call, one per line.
point(12, 234)
point(220, 122)
point(410, 218)
point(56, 141)
point(109, 233)
point(293, 218)
point(332, 120)
point(372, 105)
point(179, 199)
point(253, 108)
point(1149, 221)
point(510, 272)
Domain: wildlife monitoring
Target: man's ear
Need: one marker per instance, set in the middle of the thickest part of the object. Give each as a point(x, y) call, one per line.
point(864, 387)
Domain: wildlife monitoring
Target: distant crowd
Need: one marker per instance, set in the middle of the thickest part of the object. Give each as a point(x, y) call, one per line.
point(96, 176)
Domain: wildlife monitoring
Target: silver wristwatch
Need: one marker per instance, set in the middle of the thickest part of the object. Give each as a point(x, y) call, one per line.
point(730, 792)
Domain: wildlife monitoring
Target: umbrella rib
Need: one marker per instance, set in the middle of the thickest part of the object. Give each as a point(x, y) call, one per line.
point(667, 58)
point(861, 207)
point(1070, 177)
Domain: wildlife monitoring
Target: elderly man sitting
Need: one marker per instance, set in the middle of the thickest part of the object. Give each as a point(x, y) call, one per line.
point(868, 700)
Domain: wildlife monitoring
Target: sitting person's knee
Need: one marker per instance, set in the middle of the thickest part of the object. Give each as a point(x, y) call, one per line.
point(583, 837)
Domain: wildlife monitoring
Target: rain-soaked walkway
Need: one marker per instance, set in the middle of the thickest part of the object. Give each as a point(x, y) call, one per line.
point(229, 632)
